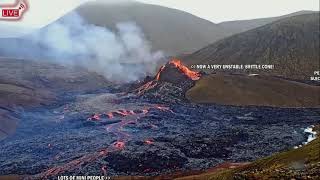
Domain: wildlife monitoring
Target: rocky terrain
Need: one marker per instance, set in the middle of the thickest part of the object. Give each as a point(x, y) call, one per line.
point(29, 84)
point(144, 132)
point(169, 85)
point(57, 120)
point(300, 163)
point(290, 44)
point(162, 139)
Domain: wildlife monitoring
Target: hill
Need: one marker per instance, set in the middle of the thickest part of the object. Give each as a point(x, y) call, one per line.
point(290, 44)
point(170, 30)
point(244, 90)
point(26, 84)
point(31, 83)
point(240, 26)
point(301, 163)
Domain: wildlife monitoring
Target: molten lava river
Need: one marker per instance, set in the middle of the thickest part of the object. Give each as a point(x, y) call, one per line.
point(117, 134)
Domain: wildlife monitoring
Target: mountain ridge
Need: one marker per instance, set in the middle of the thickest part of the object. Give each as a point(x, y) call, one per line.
point(238, 26)
point(291, 44)
point(167, 29)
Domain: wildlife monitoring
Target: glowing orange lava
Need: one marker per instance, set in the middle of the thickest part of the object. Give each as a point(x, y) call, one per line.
point(146, 87)
point(95, 117)
point(119, 145)
point(125, 112)
point(159, 72)
point(148, 141)
point(191, 74)
point(122, 138)
point(163, 108)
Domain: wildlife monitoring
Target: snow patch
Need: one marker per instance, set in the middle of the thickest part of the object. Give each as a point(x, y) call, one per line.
point(312, 136)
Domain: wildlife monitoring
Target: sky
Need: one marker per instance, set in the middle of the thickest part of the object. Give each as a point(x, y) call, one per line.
point(44, 12)
point(39, 14)
point(228, 10)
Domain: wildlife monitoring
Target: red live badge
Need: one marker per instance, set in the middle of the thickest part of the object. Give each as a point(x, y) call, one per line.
point(14, 11)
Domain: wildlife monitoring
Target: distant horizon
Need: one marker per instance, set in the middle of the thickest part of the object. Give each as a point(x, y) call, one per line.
point(311, 11)
point(178, 5)
point(44, 12)
point(215, 10)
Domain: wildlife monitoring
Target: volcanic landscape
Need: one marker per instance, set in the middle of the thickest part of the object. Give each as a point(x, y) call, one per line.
point(147, 128)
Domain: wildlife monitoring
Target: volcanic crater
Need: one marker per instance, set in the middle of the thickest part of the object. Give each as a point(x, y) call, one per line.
point(148, 130)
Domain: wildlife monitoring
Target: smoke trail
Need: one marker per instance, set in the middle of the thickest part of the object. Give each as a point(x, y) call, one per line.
point(121, 56)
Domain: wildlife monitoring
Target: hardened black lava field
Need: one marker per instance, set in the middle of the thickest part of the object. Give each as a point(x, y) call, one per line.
point(143, 138)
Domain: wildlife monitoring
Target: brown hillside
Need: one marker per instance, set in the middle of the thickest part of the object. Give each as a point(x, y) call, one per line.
point(244, 90)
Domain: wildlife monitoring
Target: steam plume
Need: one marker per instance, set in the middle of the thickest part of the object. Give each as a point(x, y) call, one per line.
point(121, 56)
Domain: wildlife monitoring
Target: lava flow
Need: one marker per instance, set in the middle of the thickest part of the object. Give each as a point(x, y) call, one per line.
point(159, 72)
point(119, 123)
point(149, 141)
point(191, 74)
point(118, 129)
point(119, 145)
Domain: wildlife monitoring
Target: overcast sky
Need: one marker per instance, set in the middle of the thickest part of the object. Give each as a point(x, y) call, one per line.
point(43, 12)
point(227, 10)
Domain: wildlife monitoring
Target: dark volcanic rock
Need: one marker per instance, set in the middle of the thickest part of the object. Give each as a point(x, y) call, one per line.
point(167, 92)
point(141, 138)
point(171, 74)
point(8, 123)
point(146, 160)
point(199, 146)
point(169, 86)
point(185, 137)
point(29, 84)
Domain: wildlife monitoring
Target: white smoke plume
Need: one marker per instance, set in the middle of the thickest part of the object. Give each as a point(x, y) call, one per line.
point(121, 56)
